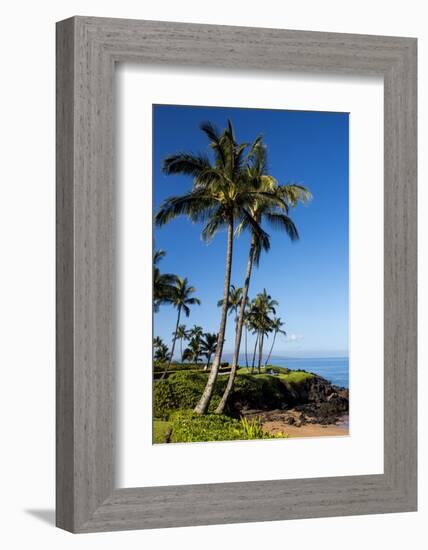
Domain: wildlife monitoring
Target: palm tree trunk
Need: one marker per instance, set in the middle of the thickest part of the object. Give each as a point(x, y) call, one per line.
point(202, 406)
point(254, 354)
point(181, 349)
point(174, 339)
point(208, 362)
point(260, 352)
point(246, 347)
point(271, 348)
point(240, 324)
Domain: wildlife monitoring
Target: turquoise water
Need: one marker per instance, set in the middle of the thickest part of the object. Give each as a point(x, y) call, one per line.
point(334, 369)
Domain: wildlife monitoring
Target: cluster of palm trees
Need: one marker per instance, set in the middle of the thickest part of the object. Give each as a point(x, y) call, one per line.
point(201, 344)
point(233, 192)
point(176, 291)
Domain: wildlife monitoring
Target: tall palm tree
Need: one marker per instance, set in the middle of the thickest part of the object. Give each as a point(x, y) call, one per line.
point(163, 283)
point(182, 334)
point(235, 301)
point(220, 198)
point(209, 346)
point(275, 327)
point(275, 212)
point(263, 306)
point(246, 326)
point(252, 327)
point(193, 351)
point(181, 299)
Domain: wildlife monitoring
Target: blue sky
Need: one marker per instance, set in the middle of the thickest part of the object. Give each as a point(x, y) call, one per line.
point(309, 278)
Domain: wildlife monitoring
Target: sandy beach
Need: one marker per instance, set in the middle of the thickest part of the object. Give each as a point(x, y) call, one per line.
point(308, 430)
point(278, 422)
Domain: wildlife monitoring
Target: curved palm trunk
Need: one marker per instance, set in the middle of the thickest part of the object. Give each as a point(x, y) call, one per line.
point(174, 339)
point(202, 406)
point(239, 326)
point(271, 348)
point(259, 366)
point(181, 349)
point(254, 353)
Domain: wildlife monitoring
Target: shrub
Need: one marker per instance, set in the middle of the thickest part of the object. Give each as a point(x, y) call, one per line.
point(253, 429)
point(188, 427)
point(182, 390)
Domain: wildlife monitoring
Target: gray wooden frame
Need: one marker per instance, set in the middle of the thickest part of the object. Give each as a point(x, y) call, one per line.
point(87, 50)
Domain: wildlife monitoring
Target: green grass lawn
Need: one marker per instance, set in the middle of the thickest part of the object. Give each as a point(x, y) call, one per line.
point(292, 377)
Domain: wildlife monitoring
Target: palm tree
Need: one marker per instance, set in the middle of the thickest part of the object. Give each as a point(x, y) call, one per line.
point(275, 326)
point(235, 301)
point(252, 327)
point(209, 346)
point(182, 334)
point(181, 298)
point(275, 212)
point(157, 341)
point(263, 306)
point(163, 283)
point(221, 198)
point(193, 351)
point(161, 354)
point(246, 327)
point(196, 332)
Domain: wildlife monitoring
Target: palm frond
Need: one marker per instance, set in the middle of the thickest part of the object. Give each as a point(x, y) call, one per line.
point(284, 223)
point(196, 205)
point(186, 163)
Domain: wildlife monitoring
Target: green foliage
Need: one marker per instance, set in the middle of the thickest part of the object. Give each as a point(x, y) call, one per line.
point(253, 428)
point(182, 390)
point(188, 427)
point(161, 431)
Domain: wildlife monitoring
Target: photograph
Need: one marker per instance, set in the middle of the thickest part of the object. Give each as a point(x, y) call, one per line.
point(250, 274)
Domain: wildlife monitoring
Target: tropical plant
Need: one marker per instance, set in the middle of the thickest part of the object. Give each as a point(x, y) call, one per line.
point(162, 355)
point(196, 332)
point(272, 205)
point(182, 334)
point(209, 346)
point(220, 198)
point(275, 327)
point(163, 283)
point(235, 301)
point(253, 428)
point(193, 351)
point(157, 341)
point(181, 298)
point(264, 305)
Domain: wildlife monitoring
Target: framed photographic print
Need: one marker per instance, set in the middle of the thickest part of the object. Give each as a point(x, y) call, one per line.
point(236, 274)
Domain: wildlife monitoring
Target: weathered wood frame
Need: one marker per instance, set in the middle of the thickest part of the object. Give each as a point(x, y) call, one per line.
point(87, 50)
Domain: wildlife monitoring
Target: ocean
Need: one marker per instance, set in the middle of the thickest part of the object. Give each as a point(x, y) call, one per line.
point(333, 369)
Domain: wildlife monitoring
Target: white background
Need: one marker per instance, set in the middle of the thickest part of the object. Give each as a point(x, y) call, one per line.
point(27, 273)
point(360, 453)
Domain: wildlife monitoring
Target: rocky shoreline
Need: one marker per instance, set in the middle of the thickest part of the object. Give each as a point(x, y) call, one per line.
point(315, 403)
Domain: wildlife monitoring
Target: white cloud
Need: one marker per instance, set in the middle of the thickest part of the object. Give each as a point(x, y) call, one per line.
point(294, 337)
